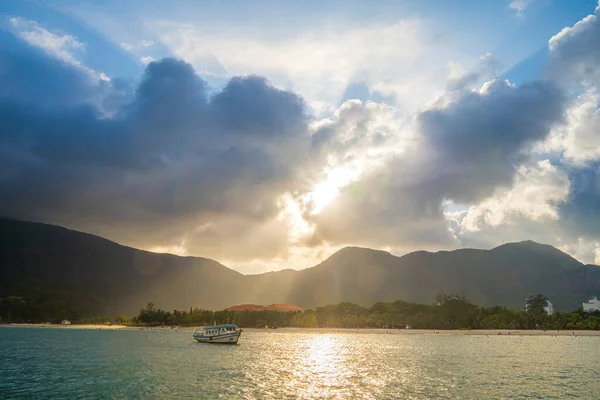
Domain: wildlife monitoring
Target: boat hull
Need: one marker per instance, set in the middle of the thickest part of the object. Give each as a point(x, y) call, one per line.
point(224, 339)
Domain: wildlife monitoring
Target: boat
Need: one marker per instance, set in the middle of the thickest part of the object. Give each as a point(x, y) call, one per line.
point(218, 334)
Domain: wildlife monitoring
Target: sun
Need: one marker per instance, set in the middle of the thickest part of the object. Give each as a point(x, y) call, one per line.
point(329, 189)
point(296, 209)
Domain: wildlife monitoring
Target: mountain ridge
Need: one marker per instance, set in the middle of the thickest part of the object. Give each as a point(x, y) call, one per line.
point(124, 279)
point(343, 249)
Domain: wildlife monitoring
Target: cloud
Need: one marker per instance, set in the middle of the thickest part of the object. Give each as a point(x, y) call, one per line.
point(574, 60)
point(169, 160)
point(578, 139)
point(62, 47)
point(144, 44)
point(147, 60)
point(574, 52)
point(357, 126)
point(535, 194)
point(519, 6)
point(581, 214)
point(246, 173)
point(459, 78)
point(588, 251)
point(478, 137)
point(398, 60)
point(547, 204)
point(464, 148)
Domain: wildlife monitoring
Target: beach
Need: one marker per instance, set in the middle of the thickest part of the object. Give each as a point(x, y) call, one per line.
point(379, 331)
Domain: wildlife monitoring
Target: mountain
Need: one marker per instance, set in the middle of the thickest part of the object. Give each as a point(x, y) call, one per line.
point(59, 266)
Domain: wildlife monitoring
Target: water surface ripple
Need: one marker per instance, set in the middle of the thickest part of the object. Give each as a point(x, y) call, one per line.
point(111, 364)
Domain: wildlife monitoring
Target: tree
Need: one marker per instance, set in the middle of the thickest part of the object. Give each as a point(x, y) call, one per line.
point(536, 308)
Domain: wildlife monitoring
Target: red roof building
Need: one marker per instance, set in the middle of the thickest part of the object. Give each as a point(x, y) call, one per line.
point(284, 308)
point(271, 307)
point(246, 307)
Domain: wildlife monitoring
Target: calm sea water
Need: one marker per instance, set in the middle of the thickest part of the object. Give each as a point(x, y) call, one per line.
point(103, 364)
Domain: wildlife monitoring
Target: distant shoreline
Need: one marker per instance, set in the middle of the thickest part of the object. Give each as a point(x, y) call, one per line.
point(486, 332)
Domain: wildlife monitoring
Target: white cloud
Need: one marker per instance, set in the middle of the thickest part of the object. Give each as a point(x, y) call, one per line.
point(584, 250)
point(535, 195)
point(456, 71)
point(358, 137)
point(571, 32)
point(575, 54)
point(62, 47)
point(127, 46)
point(519, 6)
point(147, 60)
point(319, 64)
point(144, 44)
point(578, 139)
point(59, 46)
point(179, 249)
point(459, 78)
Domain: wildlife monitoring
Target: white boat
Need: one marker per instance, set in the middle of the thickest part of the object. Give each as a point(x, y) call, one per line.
point(218, 334)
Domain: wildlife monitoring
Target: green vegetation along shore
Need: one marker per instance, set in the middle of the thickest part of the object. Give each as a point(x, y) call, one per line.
point(448, 312)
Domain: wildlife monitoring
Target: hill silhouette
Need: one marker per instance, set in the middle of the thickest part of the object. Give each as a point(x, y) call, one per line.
point(64, 268)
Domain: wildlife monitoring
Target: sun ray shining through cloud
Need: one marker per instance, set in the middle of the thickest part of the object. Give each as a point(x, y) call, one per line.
point(326, 191)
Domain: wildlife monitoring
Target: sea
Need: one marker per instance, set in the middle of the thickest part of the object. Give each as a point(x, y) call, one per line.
point(46, 363)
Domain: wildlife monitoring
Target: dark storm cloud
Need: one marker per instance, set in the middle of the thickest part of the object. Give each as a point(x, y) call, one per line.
point(170, 100)
point(259, 110)
point(475, 143)
point(581, 213)
point(81, 152)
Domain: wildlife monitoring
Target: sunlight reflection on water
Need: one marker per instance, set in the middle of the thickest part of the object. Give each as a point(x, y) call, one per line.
point(51, 363)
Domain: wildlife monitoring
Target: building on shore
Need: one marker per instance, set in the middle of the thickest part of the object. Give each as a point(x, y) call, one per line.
point(246, 307)
point(591, 305)
point(270, 307)
point(65, 322)
point(283, 308)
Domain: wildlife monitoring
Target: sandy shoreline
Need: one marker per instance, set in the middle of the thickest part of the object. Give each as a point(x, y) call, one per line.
point(330, 330)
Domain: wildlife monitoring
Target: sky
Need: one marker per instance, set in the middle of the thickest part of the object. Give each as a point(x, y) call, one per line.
point(268, 135)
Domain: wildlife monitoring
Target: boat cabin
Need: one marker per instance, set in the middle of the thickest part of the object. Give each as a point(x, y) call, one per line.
point(219, 329)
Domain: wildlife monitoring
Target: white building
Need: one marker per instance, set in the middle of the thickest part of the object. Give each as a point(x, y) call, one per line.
point(592, 305)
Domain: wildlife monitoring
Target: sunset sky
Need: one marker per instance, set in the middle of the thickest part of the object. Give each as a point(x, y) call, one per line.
point(268, 134)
